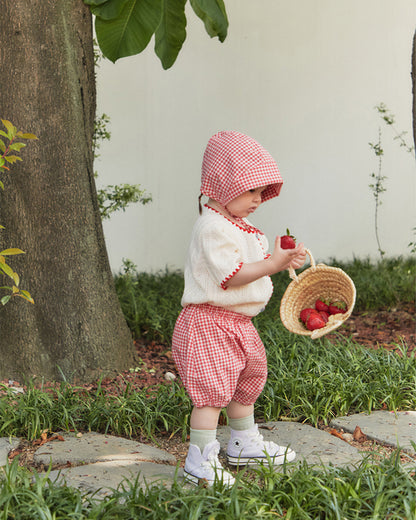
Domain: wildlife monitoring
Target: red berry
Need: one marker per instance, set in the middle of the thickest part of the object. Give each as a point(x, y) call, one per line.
point(324, 315)
point(337, 308)
point(321, 305)
point(287, 241)
point(305, 313)
point(315, 322)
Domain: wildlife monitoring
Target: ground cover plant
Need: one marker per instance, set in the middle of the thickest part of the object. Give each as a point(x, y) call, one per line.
point(309, 381)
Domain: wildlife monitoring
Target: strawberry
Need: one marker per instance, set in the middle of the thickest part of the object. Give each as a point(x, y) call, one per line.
point(321, 305)
point(324, 315)
point(315, 322)
point(287, 241)
point(337, 307)
point(305, 313)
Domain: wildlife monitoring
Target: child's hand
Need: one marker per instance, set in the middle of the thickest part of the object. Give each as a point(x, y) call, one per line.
point(283, 258)
point(300, 259)
point(279, 260)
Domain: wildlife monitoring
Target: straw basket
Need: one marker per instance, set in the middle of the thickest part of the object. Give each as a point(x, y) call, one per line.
point(318, 281)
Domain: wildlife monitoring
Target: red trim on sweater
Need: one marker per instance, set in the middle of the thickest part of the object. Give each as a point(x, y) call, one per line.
point(247, 229)
point(230, 276)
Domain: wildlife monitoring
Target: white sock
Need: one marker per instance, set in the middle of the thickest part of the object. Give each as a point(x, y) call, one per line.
point(243, 423)
point(201, 438)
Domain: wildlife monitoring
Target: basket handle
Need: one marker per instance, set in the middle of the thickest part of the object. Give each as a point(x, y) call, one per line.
point(292, 272)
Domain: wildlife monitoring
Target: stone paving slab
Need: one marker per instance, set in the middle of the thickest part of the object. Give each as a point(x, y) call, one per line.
point(7, 444)
point(393, 428)
point(103, 477)
point(310, 444)
point(95, 447)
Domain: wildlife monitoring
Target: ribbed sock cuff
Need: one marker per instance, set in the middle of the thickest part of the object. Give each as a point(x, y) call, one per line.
point(202, 437)
point(244, 423)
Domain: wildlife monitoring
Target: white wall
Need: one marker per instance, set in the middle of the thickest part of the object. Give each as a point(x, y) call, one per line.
point(301, 77)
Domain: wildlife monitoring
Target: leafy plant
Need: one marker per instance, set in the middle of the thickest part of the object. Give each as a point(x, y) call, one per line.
point(389, 119)
point(9, 150)
point(117, 197)
point(377, 185)
point(125, 27)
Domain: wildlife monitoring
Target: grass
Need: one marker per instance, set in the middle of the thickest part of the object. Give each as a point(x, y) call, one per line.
point(310, 381)
point(369, 491)
point(151, 302)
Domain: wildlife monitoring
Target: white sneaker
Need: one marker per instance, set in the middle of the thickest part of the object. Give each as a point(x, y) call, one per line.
point(249, 447)
point(206, 465)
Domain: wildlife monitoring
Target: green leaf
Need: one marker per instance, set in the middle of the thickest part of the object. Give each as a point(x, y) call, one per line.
point(4, 134)
point(16, 146)
point(5, 299)
point(106, 9)
point(26, 136)
point(94, 3)
point(2, 161)
point(11, 129)
point(11, 251)
point(12, 158)
point(130, 32)
point(26, 295)
point(171, 32)
point(2, 146)
point(214, 16)
point(7, 269)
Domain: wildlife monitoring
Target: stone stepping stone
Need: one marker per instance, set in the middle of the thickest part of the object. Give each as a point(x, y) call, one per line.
point(104, 477)
point(96, 447)
point(315, 446)
point(396, 429)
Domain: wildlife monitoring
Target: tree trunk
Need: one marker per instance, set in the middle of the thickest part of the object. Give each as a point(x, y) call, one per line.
point(49, 207)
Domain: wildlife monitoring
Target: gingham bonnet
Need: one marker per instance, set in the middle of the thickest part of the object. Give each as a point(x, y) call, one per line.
point(234, 163)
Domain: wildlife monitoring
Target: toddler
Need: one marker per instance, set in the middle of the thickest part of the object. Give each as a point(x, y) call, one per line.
point(217, 350)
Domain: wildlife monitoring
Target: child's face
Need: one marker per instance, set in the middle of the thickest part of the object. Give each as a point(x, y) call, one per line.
point(246, 203)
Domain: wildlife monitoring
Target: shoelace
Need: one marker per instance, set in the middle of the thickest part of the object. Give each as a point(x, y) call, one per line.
point(256, 437)
point(212, 460)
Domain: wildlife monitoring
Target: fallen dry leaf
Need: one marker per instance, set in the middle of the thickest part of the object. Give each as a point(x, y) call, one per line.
point(358, 435)
point(336, 433)
point(14, 453)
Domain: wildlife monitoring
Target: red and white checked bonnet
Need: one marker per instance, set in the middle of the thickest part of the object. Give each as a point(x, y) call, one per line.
point(235, 163)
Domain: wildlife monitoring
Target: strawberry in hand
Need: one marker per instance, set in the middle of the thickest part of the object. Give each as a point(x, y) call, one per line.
point(287, 241)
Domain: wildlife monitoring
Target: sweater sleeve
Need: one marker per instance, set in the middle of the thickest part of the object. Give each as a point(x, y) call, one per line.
point(222, 255)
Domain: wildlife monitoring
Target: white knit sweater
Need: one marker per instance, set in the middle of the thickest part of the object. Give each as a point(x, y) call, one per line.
point(217, 250)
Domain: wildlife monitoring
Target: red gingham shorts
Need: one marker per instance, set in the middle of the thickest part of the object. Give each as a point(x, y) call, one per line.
point(219, 355)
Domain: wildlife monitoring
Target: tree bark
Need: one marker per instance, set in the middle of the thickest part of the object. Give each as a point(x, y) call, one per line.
point(49, 207)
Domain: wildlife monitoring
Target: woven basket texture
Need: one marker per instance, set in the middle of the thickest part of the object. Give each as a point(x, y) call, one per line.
point(318, 281)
